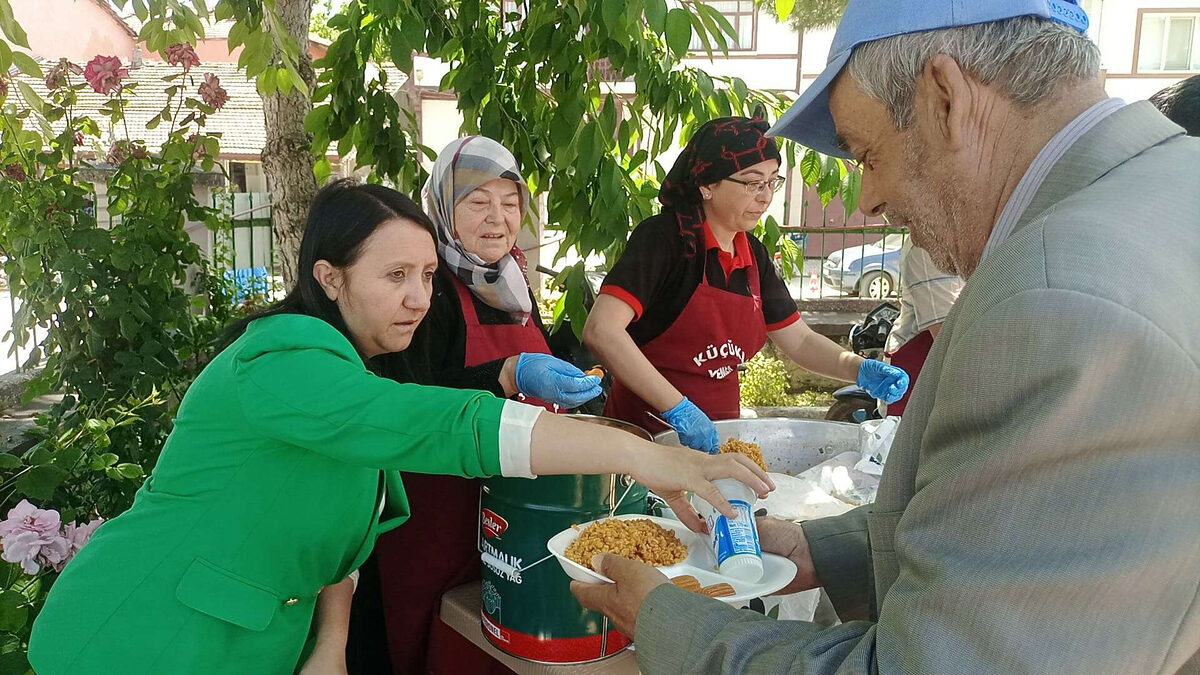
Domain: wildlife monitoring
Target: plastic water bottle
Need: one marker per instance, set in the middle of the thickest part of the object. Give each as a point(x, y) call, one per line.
point(734, 542)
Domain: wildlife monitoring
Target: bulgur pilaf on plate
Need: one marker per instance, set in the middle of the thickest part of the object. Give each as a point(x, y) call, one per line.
point(642, 540)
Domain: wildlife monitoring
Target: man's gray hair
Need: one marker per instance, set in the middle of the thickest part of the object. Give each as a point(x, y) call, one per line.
point(1025, 57)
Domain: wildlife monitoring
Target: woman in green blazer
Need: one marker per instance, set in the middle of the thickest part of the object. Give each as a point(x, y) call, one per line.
point(282, 469)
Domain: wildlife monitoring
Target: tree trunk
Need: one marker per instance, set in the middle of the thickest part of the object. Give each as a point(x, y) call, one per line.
point(287, 156)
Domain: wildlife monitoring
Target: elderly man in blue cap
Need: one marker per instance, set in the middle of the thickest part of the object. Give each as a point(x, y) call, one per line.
point(1040, 510)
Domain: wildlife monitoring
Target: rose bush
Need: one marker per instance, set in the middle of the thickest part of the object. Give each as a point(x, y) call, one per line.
point(126, 312)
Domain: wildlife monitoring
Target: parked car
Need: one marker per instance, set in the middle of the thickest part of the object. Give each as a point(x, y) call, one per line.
point(870, 271)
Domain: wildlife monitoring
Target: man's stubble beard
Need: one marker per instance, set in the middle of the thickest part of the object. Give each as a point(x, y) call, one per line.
point(937, 207)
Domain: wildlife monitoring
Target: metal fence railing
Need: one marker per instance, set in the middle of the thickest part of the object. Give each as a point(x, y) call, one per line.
point(845, 255)
point(243, 248)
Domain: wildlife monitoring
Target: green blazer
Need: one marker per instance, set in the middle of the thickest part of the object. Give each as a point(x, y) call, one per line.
point(276, 480)
point(1040, 508)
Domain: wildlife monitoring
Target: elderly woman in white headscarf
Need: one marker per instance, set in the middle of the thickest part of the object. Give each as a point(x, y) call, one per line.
point(482, 332)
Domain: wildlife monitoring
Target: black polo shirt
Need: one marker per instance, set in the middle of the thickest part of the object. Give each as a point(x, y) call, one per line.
point(657, 279)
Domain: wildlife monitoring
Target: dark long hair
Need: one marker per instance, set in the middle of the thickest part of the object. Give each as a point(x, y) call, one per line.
point(342, 216)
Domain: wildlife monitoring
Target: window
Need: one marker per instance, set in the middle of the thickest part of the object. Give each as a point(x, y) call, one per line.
point(743, 17)
point(1170, 41)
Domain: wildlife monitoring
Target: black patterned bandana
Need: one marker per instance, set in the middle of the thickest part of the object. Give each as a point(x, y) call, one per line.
point(718, 149)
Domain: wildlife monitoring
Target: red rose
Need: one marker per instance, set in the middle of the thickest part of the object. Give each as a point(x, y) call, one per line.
point(181, 54)
point(212, 92)
point(105, 73)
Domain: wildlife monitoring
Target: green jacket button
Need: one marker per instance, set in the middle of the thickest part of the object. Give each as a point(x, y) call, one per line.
point(291, 601)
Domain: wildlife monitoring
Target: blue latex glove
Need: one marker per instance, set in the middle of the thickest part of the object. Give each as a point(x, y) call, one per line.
point(693, 426)
point(555, 381)
point(883, 381)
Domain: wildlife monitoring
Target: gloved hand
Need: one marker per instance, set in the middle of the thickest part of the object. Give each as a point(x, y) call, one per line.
point(555, 381)
point(693, 426)
point(883, 381)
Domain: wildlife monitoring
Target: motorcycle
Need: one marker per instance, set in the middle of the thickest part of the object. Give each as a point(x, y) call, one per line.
point(867, 339)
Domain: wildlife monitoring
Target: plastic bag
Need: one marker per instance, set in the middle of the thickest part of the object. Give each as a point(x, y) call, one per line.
point(875, 440)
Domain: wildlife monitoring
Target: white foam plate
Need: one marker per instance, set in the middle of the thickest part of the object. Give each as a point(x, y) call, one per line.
point(700, 563)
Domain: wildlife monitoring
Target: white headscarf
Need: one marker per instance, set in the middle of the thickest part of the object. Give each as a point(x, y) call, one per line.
point(461, 167)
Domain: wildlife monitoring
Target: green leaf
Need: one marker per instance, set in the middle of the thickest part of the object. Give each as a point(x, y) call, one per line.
point(104, 461)
point(722, 22)
point(835, 166)
point(679, 30)
point(608, 117)
point(612, 11)
point(656, 15)
point(402, 53)
point(783, 8)
point(5, 55)
point(283, 80)
point(810, 167)
point(591, 146)
point(26, 64)
point(701, 31)
point(41, 481)
point(130, 471)
point(322, 170)
point(317, 119)
point(851, 191)
point(129, 326)
point(14, 663)
point(704, 83)
point(12, 29)
point(8, 461)
point(14, 611)
point(266, 81)
point(827, 186)
point(30, 95)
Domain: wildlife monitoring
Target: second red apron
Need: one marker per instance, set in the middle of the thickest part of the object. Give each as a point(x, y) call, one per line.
point(699, 353)
point(910, 357)
point(445, 512)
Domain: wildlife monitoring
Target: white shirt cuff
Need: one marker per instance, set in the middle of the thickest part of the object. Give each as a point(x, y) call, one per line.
point(516, 434)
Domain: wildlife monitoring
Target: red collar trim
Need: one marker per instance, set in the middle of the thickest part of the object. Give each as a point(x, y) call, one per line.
point(741, 256)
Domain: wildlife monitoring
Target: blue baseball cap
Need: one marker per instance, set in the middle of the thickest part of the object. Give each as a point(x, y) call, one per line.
point(809, 121)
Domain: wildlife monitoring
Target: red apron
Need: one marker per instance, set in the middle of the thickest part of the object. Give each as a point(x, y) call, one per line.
point(699, 353)
point(445, 519)
point(910, 357)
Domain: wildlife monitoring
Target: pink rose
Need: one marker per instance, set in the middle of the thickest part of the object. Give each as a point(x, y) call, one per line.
point(212, 92)
point(181, 54)
point(76, 536)
point(105, 73)
point(25, 516)
point(57, 76)
point(30, 536)
point(118, 153)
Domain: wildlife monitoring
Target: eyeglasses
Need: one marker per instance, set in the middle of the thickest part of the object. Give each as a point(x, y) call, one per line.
point(755, 187)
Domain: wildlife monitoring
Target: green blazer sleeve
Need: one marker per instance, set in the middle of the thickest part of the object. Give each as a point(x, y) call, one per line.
point(300, 381)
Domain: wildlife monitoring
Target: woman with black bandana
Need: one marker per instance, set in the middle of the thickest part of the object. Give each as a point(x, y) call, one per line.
point(695, 295)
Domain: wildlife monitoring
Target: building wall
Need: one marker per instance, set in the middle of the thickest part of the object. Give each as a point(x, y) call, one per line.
point(74, 29)
point(1115, 29)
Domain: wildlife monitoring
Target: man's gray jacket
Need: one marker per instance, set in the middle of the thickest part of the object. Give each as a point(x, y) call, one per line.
point(1040, 510)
